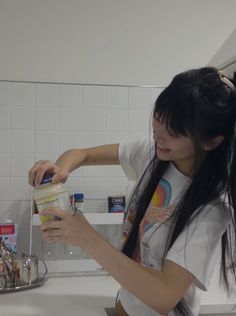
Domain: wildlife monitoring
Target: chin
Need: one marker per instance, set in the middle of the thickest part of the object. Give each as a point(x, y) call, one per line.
point(163, 158)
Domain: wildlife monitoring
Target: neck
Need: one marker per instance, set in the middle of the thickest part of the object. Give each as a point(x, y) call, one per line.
point(190, 166)
point(184, 169)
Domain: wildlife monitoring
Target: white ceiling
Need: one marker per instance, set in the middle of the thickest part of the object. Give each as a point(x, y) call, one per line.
point(225, 57)
point(134, 42)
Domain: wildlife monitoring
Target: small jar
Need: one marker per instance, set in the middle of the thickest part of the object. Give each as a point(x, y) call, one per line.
point(78, 203)
point(51, 195)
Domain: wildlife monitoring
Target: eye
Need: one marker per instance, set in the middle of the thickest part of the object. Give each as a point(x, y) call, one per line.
point(173, 133)
point(158, 119)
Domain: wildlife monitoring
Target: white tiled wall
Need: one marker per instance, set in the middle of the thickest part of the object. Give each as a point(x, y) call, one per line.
point(40, 121)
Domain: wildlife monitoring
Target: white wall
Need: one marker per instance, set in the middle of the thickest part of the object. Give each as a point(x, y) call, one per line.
point(227, 51)
point(122, 42)
point(133, 42)
point(40, 121)
point(225, 57)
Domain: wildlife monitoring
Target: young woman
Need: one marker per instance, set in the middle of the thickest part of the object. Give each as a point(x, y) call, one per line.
point(181, 215)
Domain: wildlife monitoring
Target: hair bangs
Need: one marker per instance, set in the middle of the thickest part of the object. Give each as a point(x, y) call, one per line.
point(170, 111)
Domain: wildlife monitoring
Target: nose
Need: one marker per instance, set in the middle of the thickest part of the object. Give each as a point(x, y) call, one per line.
point(160, 140)
point(159, 133)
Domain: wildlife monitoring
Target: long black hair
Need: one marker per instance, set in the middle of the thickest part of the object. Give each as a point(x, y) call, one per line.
point(201, 104)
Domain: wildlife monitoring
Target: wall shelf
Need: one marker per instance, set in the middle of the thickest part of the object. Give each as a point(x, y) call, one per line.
point(93, 218)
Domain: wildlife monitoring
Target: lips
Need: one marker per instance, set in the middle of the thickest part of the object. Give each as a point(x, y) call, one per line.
point(162, 148)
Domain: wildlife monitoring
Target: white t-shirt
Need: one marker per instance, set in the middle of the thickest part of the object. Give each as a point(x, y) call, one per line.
point(196, 249)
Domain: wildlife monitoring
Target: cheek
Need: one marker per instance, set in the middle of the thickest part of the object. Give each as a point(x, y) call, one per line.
point(183, 148)
point(187, 150)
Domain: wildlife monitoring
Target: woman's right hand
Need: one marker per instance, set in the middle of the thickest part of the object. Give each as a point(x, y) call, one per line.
point(42, 167)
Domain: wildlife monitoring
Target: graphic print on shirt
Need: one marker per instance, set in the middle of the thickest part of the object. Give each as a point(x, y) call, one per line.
point(159, 209)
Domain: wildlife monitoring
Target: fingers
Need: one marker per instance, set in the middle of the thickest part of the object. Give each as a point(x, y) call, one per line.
point(53, 239)
point(39, 169)
point(53, 230)
point(60, 176)
point(71, 229)
point(51, 224)
point(53, 233)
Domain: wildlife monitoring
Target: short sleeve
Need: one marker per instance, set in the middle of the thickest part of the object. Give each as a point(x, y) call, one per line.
point(134, 155)
point(198, 248)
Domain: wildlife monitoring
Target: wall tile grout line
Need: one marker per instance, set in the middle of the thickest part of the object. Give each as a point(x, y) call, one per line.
point(105, 107)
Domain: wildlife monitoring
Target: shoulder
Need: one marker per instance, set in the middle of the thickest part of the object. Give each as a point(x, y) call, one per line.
point(133, 145)
point(134, 155)
point(217, 211)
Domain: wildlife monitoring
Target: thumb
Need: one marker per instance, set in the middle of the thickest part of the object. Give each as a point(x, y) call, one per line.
point(60, 176)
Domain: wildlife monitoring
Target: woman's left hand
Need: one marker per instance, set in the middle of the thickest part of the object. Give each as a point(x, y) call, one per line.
point(71, 229)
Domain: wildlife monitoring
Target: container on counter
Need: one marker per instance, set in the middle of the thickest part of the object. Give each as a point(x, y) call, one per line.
point(8, 236)
point(78, 203)
point(116, 204)
point(51, 195)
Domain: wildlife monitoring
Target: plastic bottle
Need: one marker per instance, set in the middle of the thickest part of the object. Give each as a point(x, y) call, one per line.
point(78, 203)
point(51, 195)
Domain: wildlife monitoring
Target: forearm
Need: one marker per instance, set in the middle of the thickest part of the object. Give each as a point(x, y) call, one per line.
point(100, 155)
point(147, 284)
point(160, 290)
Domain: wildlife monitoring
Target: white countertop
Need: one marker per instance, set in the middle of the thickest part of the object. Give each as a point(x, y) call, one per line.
point(89, 295)
point(85, 296)
point(69, 296)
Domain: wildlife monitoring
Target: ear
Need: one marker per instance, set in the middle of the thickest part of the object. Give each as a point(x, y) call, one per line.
point(213, 143)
